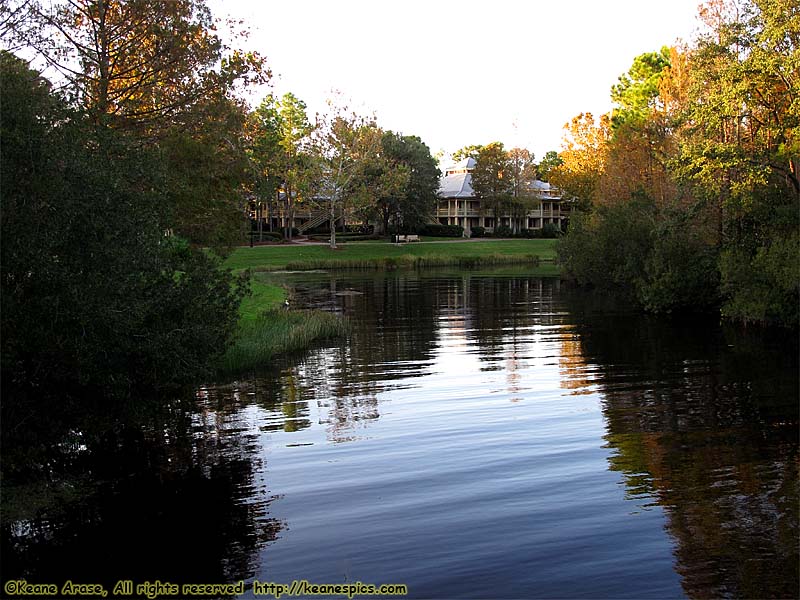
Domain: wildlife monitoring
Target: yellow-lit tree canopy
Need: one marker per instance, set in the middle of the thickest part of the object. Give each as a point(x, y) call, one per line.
point(701, 151)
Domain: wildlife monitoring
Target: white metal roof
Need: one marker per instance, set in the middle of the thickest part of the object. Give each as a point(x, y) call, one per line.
point(466, 164)
point(459, 185)
point(456, 185)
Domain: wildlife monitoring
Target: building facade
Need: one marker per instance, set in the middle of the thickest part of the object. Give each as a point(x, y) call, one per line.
point(458, 204)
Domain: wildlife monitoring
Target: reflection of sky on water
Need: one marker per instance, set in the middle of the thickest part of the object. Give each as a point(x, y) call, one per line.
point(477, 436)
point(471, 400)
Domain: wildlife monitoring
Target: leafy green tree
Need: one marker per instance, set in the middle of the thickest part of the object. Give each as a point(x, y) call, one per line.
point(279, 132)
point(550, 161)
point(94, 295)
point(491, 178)
point(470, 151)
point(206, 168)
point(380, 187)
point(637, 92)
point(522, 172)
point(642, 138)
point(739, 151)
point(416, 200)
point(264, 153)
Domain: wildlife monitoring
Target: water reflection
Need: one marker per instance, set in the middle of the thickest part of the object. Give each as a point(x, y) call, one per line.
point(700, 420)
point(166, 492)
point(703, 421)
point(479, 435)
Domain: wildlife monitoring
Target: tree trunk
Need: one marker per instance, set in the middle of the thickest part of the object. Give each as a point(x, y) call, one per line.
point(290, 210)
point(260, 220)
point(103, 65)
point(333, 224)
point(287, 225)
point(385, 214)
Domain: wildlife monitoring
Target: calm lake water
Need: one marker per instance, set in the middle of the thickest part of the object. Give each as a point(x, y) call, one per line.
point(480, 435)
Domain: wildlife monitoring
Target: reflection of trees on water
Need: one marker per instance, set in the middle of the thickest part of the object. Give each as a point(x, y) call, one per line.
point(499, 317)
point(398, 321)
point(704, 421)
point(169, 495)
point(503, 311)
point(700, 420)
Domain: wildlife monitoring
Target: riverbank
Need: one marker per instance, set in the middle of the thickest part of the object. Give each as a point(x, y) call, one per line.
point(266, 328)
point(376, 255)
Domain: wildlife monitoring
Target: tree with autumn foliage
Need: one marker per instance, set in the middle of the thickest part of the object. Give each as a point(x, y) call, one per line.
point(699, 164)
point(583, 159)
point(158, 71)
point(133, 64)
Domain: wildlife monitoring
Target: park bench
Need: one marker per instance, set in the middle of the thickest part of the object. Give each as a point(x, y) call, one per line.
point(406, 238)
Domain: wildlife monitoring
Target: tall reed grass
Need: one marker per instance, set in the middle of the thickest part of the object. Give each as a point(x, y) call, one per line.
point(409, 261)
point(278, 331)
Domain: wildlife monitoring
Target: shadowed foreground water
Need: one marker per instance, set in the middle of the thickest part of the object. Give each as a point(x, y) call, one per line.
point(481, 435)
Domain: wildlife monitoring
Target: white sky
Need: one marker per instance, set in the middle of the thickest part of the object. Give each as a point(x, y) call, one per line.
point(458, 73)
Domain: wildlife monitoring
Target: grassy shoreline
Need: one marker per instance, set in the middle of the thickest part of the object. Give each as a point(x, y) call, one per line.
point(356, 255)
point(266, 329)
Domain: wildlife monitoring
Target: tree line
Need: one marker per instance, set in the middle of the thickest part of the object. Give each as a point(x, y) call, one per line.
point(688, 190)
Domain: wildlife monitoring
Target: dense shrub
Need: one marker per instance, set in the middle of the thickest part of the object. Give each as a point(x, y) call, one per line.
point(340, 237)
point(652, 255)
point(477, 232)
point(680, 271)
point(762, 285)
point(360, 228)
point(550, 231)
point(267, 236)
point(441, 230)
point(503, 231)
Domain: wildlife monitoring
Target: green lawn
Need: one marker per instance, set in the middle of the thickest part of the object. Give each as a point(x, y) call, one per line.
point(263, 297)
point(271, 258)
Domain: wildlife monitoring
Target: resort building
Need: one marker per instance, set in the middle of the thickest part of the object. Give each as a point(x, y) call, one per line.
point(458, 204)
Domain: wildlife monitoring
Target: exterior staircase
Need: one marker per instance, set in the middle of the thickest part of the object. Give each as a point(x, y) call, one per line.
point(316, 219)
